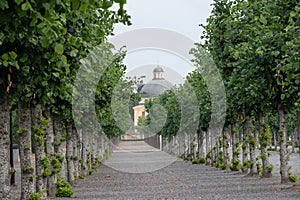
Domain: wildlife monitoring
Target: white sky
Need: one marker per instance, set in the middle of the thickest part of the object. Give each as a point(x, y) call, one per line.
point(180, 16)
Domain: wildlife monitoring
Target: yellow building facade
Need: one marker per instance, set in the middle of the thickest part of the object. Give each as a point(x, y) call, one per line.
point(148, 91)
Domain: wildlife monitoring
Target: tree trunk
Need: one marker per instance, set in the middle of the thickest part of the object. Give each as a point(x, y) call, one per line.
point(90, 151)
point(60, 145)
point(84, 155)
point(235, 152)
point(198, 144)
point(298, 130)
point(252, 147)
point(27, 166)
point(264, 142)
point(283, 145)
point(274, 140)
point(233, 146)
point(40, 138)
point(70, 154)
point(294, 140)
point(201, 153)
point(213, 141)
point(207, 145)
point(4, 149)
point(225, 149)
point(77, 153)
point(94, 151)
point(218, 150)
point(52, 178)
point(245, 147)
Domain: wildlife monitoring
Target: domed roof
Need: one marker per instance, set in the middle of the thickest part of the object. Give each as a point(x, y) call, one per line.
point(154, 88)
point(158, 69)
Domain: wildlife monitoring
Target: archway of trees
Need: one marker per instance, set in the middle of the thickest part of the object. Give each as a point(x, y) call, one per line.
point(254, 44)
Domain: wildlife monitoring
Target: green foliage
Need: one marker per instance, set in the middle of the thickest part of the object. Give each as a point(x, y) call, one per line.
point(81, 176)
point(236, 166)
point(216, 165)
point(26, 147)
point(56, 171)
point(35, 196)
point(270, 168)
point(57, 39)
point(28, 169)
point(64, 192)
point(293, 178)
point(32, 177)
point(208, 156)
point(202, 160)
point(47, 173)
point(248, 164)
point(195, 161)
point(64, 189)
point(59, 157)
point(222, 166)
point(252, 140)
point(74, 157)
point(259, 74)
point(237, 152)
point(91, 171)
point(198, 83)
point(259, 168)
point(266, 136)
point(55, 163)
point(12, 170)
point(21, 131)
point(45, 162)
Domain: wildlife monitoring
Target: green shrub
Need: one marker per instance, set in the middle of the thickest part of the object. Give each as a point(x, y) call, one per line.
point(35, 196)
point(64, 192)
point(47, 173)
point(45, 162)
point(236, 166)
point(81, 176)
point(222, 166)
point(293, 178)
point(208, 156)
point(248, 164)
point(270, 168)
point(259, 167)
point(195, 161)
point(202, 160)
point(62, 183)
point(64, 188)
point(91, 171)
point(55, 163)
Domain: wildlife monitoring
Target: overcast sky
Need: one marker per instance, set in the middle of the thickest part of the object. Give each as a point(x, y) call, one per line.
point(180, 16)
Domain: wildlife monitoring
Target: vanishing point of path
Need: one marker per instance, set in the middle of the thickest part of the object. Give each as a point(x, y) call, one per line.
point(178, 180)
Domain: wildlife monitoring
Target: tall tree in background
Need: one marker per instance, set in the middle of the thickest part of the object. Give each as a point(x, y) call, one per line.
point(39, 57)
point(257, 53)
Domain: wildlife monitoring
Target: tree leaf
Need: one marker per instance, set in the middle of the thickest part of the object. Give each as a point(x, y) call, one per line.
point(59, 48)
point(75, 4)
point(18, 2)
point(26, 6)
point(3, 4)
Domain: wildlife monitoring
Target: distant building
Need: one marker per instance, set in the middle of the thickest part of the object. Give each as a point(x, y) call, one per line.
point(152, 89)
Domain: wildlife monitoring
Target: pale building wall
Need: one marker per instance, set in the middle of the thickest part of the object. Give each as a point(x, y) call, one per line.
point(138, 112)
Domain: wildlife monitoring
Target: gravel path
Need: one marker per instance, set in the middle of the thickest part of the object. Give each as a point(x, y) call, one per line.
point(179, 180)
